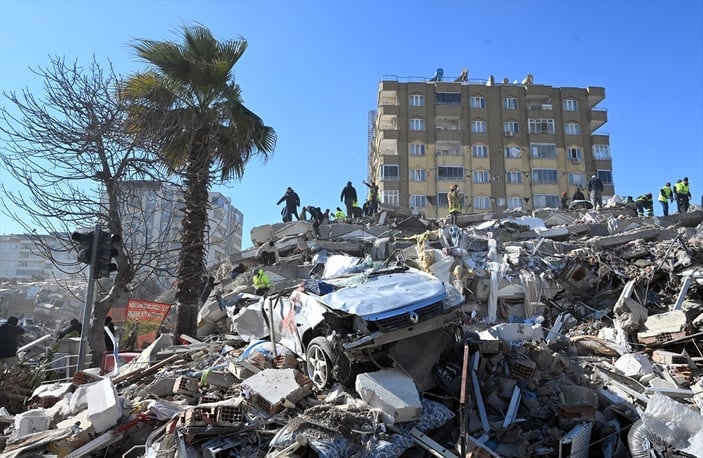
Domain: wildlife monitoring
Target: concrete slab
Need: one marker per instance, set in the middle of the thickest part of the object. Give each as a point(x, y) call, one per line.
point(104, 408)
point(391, 391)
point(270, 387)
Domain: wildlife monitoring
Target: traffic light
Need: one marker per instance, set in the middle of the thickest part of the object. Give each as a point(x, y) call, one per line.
point(107, 250)
point(85, 244)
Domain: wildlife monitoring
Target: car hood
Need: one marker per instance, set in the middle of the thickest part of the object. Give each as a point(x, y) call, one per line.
point(376, 296)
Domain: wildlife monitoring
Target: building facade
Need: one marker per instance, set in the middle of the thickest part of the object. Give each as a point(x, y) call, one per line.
point(21, 260)
point(152, 221)
point(507, 145)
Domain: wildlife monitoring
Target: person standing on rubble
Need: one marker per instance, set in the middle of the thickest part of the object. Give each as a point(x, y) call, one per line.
point(683, 195)
point(348, 196)
point(666, 195)
point(10, 333)
point(564, 201)
point(454, 198)
point(595, 189)
point(645, 202)
point(373, 198)
point(261, 281)
point(292, 203)
point(339, 215)
point(578, 195)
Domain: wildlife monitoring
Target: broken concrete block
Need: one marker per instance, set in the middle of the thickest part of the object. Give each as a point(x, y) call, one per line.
point(185, 385)
point(31, 421)
point(104, 408)
point(663, 327)
point(668, 357)
point(220, 379)
point(633, 365)
point(162, 387)
point(391, 391)
point(269, 388)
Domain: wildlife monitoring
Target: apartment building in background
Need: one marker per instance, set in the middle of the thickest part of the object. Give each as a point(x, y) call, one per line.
point(21, 260)
point(152, 216)
point(507, 145)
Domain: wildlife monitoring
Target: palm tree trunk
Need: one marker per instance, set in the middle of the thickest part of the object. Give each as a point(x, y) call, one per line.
point(191, 268)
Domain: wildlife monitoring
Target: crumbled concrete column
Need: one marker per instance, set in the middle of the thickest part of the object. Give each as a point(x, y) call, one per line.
point(104, 408)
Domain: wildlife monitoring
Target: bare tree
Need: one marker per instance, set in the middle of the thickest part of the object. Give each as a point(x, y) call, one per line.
point(76, 161)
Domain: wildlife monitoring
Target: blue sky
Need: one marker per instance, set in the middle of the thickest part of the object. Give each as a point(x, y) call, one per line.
point(312, 70)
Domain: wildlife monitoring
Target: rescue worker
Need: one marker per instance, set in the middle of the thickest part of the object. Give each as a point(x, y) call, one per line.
point(645, 202)
point(267, 254)
point(348, 196)
point(9, 335)
point(373, 198)
point(356, 210)
point(454, 198)
point(683, 195)
point(595, 188)
point(676, 195)
point(666, 195)
point(292, 203)
point(316, 216)
point(74, 329)
point(339, 214)
point(578, 195)
point(262, 284)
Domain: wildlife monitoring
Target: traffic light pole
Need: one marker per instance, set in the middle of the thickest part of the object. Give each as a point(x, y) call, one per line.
point(88, 305)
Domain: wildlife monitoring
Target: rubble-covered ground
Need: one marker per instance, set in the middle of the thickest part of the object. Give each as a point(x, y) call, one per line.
point(553, 333)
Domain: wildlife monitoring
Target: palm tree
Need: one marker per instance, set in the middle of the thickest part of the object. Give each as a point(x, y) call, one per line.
point(188, 104)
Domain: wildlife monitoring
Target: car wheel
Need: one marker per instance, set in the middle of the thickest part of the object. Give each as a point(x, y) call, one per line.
point(345, 371)
point(320, 362)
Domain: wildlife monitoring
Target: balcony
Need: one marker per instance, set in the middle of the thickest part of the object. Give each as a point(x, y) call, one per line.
point(388, 110)
point(595, 95)
point(597, 117)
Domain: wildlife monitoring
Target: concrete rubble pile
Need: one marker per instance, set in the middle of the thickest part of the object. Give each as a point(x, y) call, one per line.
point(550, 333)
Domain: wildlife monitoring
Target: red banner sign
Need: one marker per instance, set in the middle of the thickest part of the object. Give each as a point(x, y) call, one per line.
point(147, 311)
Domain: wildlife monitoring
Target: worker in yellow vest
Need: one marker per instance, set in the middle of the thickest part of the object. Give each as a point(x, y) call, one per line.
point(666, 195)
point(683, 195)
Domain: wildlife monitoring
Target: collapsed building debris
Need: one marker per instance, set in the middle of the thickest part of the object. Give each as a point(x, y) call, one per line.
point(550, 334)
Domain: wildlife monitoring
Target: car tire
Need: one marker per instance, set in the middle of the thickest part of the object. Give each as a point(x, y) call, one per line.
point(345, 371)
point(320, 361)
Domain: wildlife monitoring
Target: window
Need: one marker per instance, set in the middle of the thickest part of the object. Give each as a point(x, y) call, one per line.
point(513, 151)
point(511, 126)
point(601, 152)
point(448, 98)
point(481, 176)
point(442, 200)
point(478, 102)
point(513, 177)
point(478, 126)
point(570, 105)
point(546, 200)
point(418, 201)
point(575, 155)
point(543, 176)
point(543, 150)
point(390, 173)
point(479, 150)
point(417, 174)
point(450, 173)
point(510, 103)
point(606, 176)
point(482, 203)
point(572, 128)
point(417, 149)
point(417, 100)
point(515, 202)
point(391, 198)
point(540, 126)
point(417, 124)
point(577, 179)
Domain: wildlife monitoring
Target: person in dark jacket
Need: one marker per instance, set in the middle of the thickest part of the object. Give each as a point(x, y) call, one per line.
point(108, 341)
point(348, 196)
point(316, 216)
point(292, 203)
point(595, 187)
point(9, 335)
point(564, 201)
point(74, 327)
point(578, 195)
point(645, 202)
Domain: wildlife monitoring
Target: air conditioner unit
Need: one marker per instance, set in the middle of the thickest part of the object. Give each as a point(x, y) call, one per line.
point(508, 133)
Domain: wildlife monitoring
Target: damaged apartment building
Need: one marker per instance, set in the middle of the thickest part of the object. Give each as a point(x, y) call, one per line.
point(508, 334)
